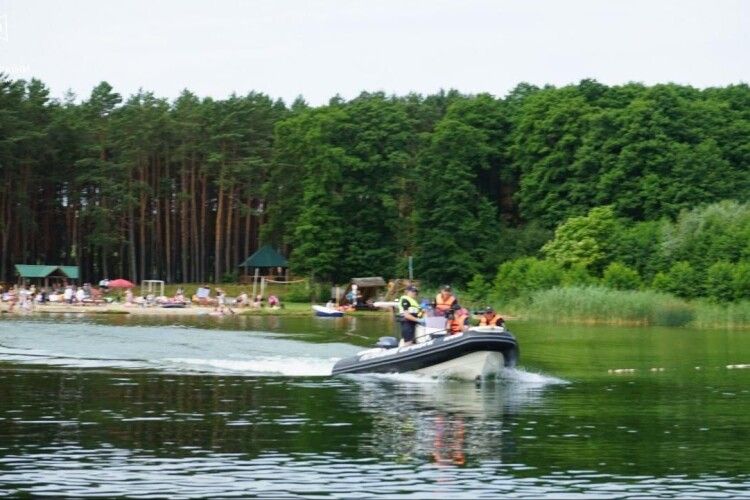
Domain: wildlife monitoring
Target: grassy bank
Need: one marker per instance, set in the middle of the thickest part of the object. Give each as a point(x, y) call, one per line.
point(628, 307)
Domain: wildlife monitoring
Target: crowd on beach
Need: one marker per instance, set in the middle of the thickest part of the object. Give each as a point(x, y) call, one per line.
point(27, 297)
point(223, 304)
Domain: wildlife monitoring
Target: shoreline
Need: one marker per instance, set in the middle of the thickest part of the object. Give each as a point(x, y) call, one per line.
point(298, 310)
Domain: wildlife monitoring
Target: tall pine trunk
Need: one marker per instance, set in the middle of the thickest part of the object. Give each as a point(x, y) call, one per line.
point(217, 235)
point(184, 241)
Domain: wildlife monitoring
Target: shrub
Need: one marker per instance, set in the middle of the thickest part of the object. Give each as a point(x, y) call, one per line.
point(298, 292)
point(509, 281)
point(519, 277)
point(681, 280)
point(578, 275)
point(741, 281)
point(478, 290)
point(720, 281)
point(620, 277)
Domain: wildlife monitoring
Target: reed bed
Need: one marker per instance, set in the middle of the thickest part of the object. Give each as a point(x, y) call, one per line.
point(603, 305)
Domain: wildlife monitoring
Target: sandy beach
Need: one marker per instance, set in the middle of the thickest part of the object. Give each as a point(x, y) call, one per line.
point(192, 310)
point(293, 309)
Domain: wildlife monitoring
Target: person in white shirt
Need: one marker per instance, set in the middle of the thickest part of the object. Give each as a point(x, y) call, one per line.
point(68, 294)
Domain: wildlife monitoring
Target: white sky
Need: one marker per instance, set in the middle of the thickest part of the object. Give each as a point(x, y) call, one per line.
point(320, 48)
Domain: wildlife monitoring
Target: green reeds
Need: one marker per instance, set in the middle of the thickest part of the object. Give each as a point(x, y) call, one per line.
point(604, 305)
point(731, 315)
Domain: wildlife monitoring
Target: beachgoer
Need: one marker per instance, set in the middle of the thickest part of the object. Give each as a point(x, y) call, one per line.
point(68, 294)
point(12, 298)
point(274, 302)
point(409, 314)
point(221, 302)
point(80, 295)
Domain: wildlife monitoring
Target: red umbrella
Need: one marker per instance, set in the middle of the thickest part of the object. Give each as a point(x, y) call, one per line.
point(120, 283)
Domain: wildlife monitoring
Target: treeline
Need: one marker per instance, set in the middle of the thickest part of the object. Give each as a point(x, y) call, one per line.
point(705, 252)
point(141, 188)
point(185, 190)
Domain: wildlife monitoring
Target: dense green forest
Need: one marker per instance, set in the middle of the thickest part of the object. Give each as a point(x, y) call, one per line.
point(628, 186)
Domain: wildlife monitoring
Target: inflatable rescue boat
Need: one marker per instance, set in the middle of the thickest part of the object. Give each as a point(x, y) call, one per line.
point(475, 354)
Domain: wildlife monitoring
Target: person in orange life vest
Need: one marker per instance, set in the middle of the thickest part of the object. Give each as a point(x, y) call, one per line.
point(455, 319)
point(490, 318)
point(444, 300)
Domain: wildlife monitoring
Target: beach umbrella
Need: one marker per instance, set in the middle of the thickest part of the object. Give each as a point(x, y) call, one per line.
point(120, 283)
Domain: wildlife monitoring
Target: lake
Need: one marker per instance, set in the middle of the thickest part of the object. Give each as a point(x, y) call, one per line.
point(244, 406)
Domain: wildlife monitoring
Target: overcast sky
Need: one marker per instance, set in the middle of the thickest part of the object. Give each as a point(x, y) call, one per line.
point(321, 48)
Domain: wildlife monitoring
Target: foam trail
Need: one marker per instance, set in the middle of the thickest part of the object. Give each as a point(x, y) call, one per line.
point(521, 376)
point(508, 375)
point(168, 350)
point(288, 367)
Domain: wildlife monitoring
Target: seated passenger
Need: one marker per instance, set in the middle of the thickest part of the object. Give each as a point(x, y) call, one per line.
point(490, 318)
point(455, 319)
point(444, 300)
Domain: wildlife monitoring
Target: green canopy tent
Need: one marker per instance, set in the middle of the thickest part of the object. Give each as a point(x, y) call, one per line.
point(266, 259)
point(46, 272)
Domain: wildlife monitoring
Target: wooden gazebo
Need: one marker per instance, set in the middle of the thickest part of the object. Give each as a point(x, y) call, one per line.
point(46, 272)
point(266, 261)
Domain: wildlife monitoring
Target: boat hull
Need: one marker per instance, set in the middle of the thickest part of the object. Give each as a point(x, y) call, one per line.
point(464, 356)
point(481, 364)
point(327, 312)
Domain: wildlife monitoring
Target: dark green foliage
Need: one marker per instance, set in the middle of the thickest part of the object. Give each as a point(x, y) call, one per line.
point(478, 289)
point(639, 246)
point(741, 281)
point(681, 279)
point(719, 284)
point(578, 276)
point(473, 187)
point(518, 278)
point(620, 277)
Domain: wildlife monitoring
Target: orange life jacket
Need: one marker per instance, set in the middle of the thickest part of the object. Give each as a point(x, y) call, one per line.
point(456, 325)
point(493, 321)
point(444, 305)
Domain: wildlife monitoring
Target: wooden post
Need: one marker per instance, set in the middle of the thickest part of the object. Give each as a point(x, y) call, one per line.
point(262, 285)
point(255, 280)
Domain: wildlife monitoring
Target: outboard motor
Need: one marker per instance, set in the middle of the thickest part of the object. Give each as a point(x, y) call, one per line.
point(387, 342)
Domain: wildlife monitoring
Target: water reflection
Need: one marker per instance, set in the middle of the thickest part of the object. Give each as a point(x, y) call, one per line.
point(160, 429)
point(446, 422)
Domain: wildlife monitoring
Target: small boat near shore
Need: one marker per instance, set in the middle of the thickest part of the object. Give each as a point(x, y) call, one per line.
point(478, 353)
point(327, 312)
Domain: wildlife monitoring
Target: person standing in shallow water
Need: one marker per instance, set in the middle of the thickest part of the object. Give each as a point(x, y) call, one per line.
point(409, 314)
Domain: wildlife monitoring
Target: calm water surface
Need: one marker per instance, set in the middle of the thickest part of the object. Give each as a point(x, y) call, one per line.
point(136, 407)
